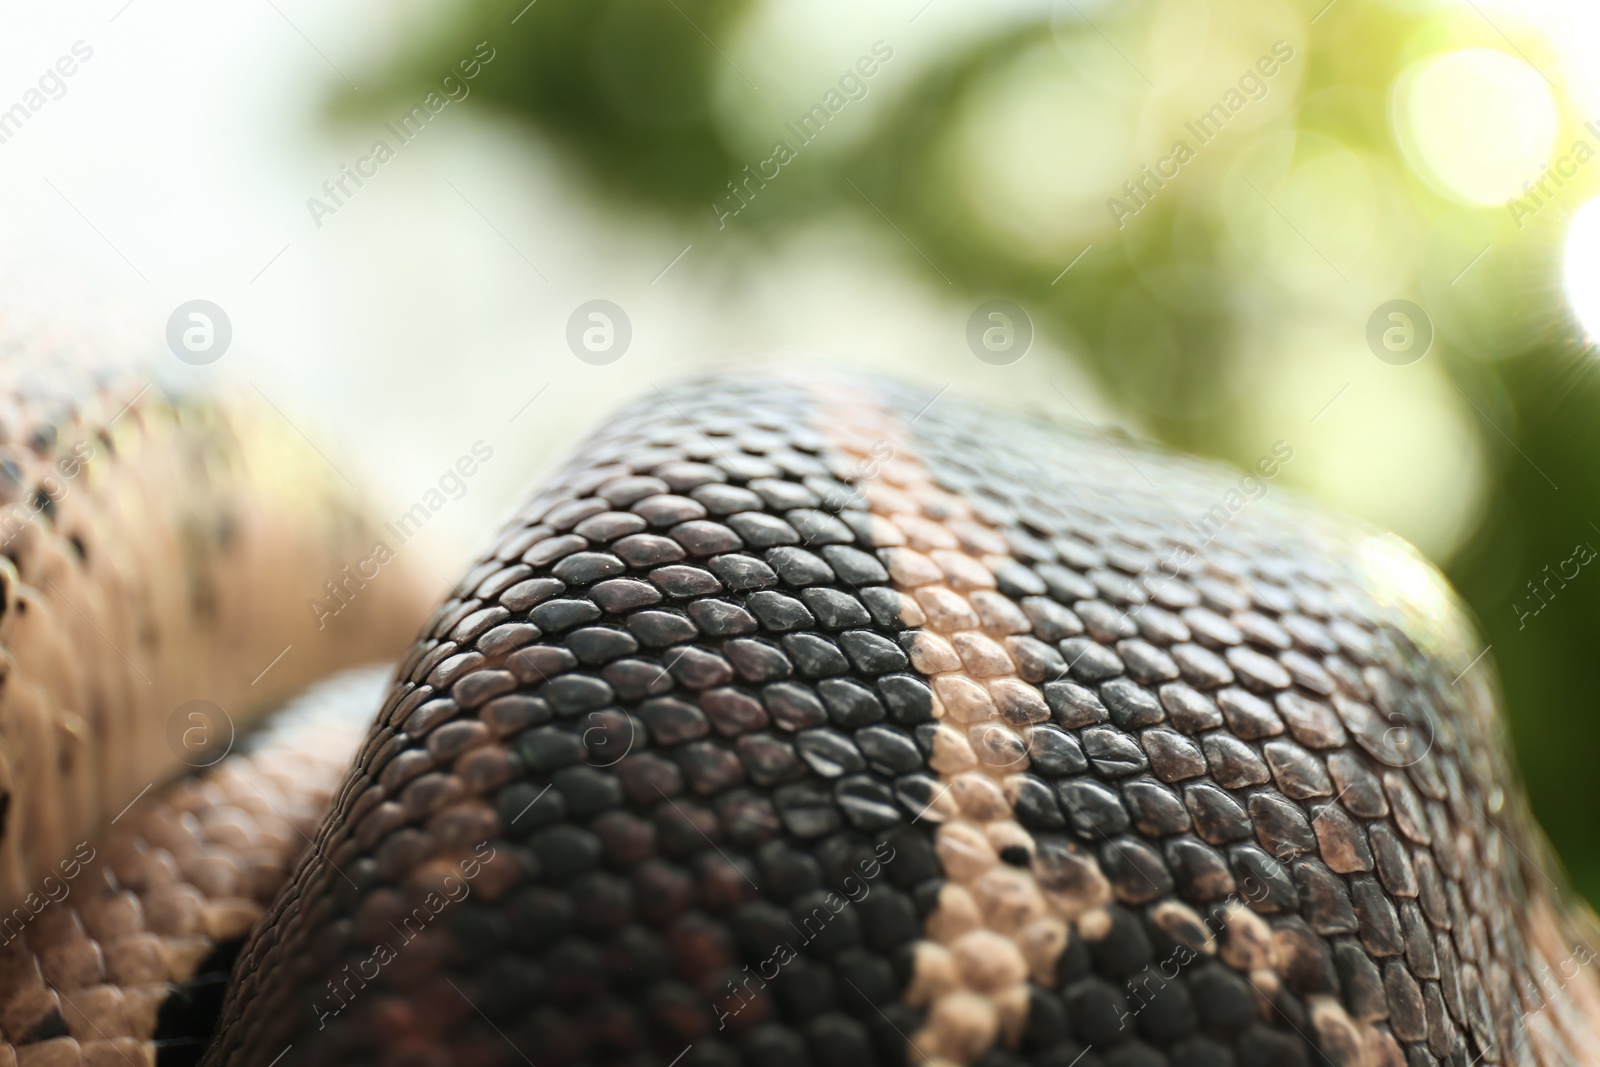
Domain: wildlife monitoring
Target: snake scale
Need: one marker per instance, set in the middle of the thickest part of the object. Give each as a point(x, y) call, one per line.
point(809, 719)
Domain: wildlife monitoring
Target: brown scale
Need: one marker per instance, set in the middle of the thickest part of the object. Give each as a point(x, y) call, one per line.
point(1266, 760)
point(445, 774)
point(996, 925)
point(87, 964)
point(157, 545)
point(1336, 615)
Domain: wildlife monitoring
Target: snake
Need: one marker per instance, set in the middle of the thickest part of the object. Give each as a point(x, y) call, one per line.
point(800, 717)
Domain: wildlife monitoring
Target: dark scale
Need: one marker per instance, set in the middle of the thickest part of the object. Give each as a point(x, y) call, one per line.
point(678, 703)
point(1282, 681)
point(708, 774)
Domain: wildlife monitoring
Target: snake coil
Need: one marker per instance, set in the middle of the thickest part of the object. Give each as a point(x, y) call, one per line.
point(816, 722)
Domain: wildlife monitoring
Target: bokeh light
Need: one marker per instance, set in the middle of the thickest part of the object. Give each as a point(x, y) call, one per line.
point(1035, 151)
point(1477, 122)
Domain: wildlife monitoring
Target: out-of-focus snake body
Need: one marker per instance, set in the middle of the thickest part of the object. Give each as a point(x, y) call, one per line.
point(822, 721)
point(158, 548)
point(125, 959)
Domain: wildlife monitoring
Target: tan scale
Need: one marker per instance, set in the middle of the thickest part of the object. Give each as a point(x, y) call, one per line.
point(157, 545)
point(1567, 1016)
point(996, 924)
point(138, 910)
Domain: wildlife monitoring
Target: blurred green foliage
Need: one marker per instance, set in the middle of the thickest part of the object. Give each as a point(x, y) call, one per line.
point(1181, 313)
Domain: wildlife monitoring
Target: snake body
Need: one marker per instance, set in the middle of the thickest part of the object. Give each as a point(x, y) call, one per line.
point(158, 545)
point(826, 721)
point(126, 949)
point(818, 722)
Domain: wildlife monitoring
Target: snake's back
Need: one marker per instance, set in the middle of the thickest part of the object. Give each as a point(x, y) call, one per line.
point(823, 723)
point(159, 540)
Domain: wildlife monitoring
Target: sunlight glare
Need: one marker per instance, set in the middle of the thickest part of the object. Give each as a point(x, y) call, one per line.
point(1581, 267)
point(1478, 123)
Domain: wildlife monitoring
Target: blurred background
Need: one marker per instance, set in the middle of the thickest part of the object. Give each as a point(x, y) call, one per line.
point(1357, 226)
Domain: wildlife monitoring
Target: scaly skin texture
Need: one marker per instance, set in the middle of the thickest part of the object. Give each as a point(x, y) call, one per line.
point(127, 920)
point(808, 723)
point(158, 545)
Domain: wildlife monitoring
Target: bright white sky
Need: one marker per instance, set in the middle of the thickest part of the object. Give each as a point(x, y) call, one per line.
point(177, 166)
